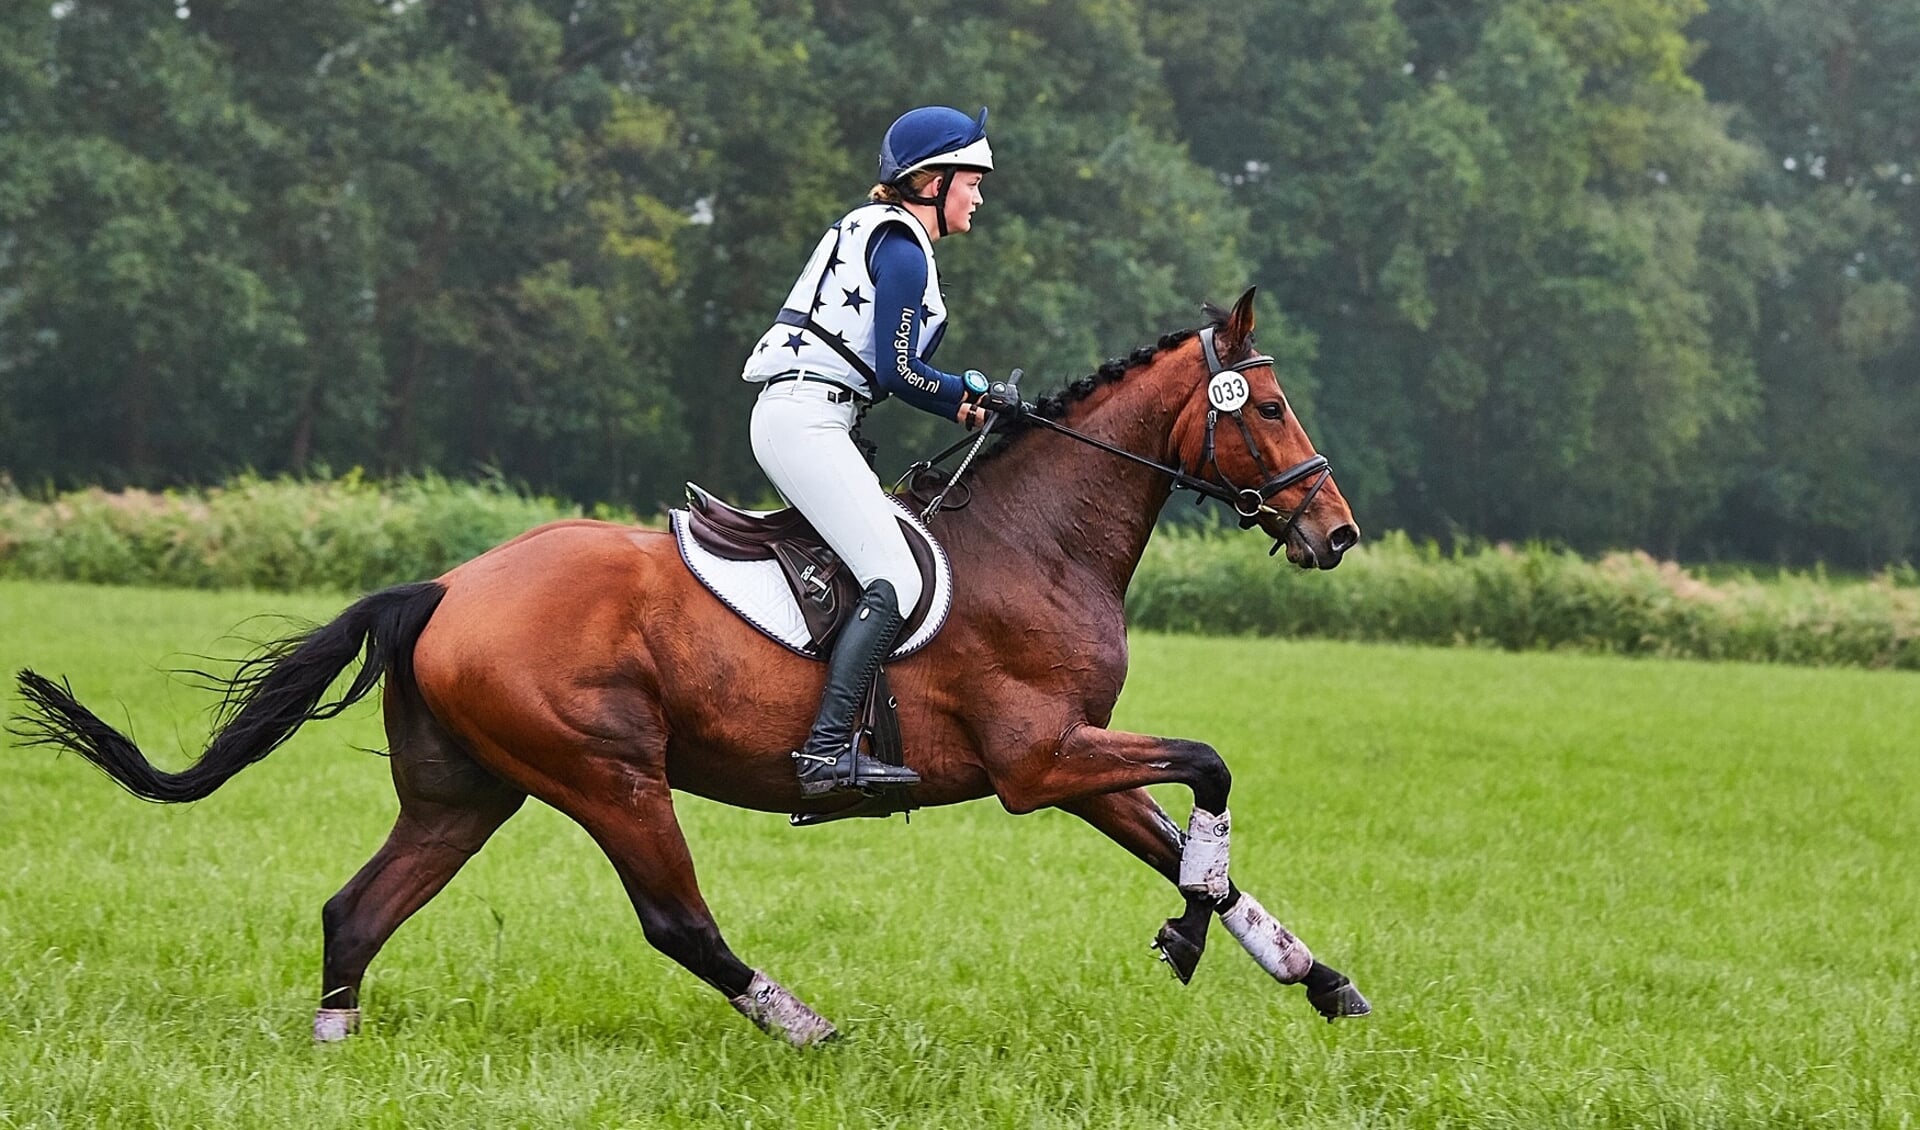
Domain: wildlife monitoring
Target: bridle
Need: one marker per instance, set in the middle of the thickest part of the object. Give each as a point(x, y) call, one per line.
point(1227, 394)
point(1251, 502)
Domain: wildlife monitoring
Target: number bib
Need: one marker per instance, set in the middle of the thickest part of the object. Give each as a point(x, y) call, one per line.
point(1228, 391)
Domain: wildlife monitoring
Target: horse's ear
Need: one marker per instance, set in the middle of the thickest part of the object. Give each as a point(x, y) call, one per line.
point(1235, 336)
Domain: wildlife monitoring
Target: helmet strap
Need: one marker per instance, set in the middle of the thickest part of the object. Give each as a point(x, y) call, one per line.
point(937, 200)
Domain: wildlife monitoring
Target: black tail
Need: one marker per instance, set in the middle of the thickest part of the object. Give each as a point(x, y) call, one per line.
point(267, 699)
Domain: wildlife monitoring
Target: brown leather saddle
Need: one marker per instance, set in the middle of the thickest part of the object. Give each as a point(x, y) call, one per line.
point(822, 585)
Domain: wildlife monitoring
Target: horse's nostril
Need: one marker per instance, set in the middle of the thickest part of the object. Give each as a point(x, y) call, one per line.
point(1343, 537)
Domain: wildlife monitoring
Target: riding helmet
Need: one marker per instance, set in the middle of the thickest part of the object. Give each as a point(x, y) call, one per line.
point(934, 137)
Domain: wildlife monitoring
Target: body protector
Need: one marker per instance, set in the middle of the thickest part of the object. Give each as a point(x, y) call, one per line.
point(826, 324)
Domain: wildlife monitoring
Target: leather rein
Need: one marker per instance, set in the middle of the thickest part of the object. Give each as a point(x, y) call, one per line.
point(1250, 503)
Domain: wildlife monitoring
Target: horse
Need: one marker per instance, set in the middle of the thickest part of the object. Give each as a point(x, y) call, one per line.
point(582, 664)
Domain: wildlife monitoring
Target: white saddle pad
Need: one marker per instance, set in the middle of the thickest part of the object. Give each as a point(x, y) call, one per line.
point(758, 592)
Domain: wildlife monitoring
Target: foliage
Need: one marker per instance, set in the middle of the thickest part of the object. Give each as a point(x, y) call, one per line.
point(348, 534)
point(1624, 272)
point(1531, 598)
point(352, 534)
point(1829, 93)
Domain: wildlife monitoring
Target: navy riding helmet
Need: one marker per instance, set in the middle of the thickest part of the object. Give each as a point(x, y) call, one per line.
point(934, 137)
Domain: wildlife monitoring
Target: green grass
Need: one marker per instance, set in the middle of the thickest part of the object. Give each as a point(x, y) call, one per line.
point(1580, 891)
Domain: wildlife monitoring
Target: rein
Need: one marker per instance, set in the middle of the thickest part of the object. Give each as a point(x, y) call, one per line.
point(958, 472)
point(1247, 502)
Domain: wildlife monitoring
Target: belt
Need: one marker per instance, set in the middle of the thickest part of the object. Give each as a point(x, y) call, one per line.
point(840, 393)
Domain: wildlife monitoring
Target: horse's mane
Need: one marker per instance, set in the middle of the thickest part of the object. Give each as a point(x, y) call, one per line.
point(1056, 405)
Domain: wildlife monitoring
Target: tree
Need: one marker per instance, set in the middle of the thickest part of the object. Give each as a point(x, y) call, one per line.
point(1829, 92)
point(137, 306)
point(1621, 272)
point(1483, 216)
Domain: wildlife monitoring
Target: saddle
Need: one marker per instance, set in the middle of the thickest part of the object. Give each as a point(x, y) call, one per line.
point(822, 585)
point(730, 550)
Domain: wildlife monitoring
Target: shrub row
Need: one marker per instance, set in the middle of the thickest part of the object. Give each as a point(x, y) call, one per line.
point(1532, 598)
point(348, 534)
point(351, 535)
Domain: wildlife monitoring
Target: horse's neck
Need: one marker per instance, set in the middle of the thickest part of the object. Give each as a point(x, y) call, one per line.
point(1070, 502)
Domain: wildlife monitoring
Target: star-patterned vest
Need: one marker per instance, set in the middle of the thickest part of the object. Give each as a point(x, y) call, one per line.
point(826, 325)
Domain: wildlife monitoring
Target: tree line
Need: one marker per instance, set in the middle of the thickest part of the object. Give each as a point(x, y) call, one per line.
point(1623, 272)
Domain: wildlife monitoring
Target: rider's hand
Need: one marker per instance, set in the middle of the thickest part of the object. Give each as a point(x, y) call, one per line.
point(1001, 398)
point(1004, 397)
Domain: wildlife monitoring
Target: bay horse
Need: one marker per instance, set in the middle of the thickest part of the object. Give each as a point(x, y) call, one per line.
point(582, 664)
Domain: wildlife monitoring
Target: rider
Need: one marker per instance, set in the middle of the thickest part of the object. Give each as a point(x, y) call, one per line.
point(861, 323)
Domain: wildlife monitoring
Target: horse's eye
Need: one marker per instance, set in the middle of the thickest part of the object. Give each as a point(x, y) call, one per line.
point(1270, 410)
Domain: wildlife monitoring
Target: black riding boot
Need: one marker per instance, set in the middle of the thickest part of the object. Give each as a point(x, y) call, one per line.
point(832, 759)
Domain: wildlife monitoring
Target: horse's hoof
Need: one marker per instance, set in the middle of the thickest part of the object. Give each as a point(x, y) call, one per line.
point(1341, 1000)
point(1181, 956)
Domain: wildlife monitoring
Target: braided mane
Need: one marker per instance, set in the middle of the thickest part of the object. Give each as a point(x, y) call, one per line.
point(1058, 404)
point(1055, 405)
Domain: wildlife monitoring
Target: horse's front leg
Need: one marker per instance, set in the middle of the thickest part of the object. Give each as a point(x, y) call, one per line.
point(1098, 775)
point(1090, 761)
point(1136, 822)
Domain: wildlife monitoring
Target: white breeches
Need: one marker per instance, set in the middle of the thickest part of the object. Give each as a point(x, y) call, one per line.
point(804, 443)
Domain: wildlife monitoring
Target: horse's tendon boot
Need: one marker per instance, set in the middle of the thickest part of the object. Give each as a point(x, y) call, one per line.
point(331, 1025)
point(1285, 957)
point(779, 1013)
point(1203, 855)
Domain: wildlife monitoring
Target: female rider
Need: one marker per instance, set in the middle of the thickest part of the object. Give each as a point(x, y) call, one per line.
point(861, 324)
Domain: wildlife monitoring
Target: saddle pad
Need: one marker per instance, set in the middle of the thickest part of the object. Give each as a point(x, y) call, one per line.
point(758, 593)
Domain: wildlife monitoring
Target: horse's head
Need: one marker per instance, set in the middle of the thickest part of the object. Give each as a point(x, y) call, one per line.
point(1238, 432)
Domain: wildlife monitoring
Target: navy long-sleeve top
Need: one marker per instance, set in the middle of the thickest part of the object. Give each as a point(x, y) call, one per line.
point(899, 271)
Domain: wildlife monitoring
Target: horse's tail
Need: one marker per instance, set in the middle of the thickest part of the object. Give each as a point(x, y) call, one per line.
point(269, 697)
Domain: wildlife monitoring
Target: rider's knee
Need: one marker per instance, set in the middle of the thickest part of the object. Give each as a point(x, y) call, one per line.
point(906, 590)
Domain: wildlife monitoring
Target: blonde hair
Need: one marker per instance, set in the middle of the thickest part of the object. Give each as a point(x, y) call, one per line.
point(890, 194)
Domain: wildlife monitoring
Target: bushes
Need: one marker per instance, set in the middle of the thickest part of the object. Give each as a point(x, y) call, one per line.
point(1525, 599)
point(345, 535)
point(351, 535)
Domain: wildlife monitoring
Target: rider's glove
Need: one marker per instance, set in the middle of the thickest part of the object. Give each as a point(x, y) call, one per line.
point(1004, 397)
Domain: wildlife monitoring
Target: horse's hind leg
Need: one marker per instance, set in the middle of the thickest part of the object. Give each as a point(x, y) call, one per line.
point(599, 755)
point(629, 813)
point(449, 806)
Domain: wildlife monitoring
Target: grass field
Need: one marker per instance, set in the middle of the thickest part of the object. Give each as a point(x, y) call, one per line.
point(1580, 892)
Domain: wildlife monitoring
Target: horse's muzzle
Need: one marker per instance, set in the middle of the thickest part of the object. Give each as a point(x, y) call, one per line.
point(1310, 550)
